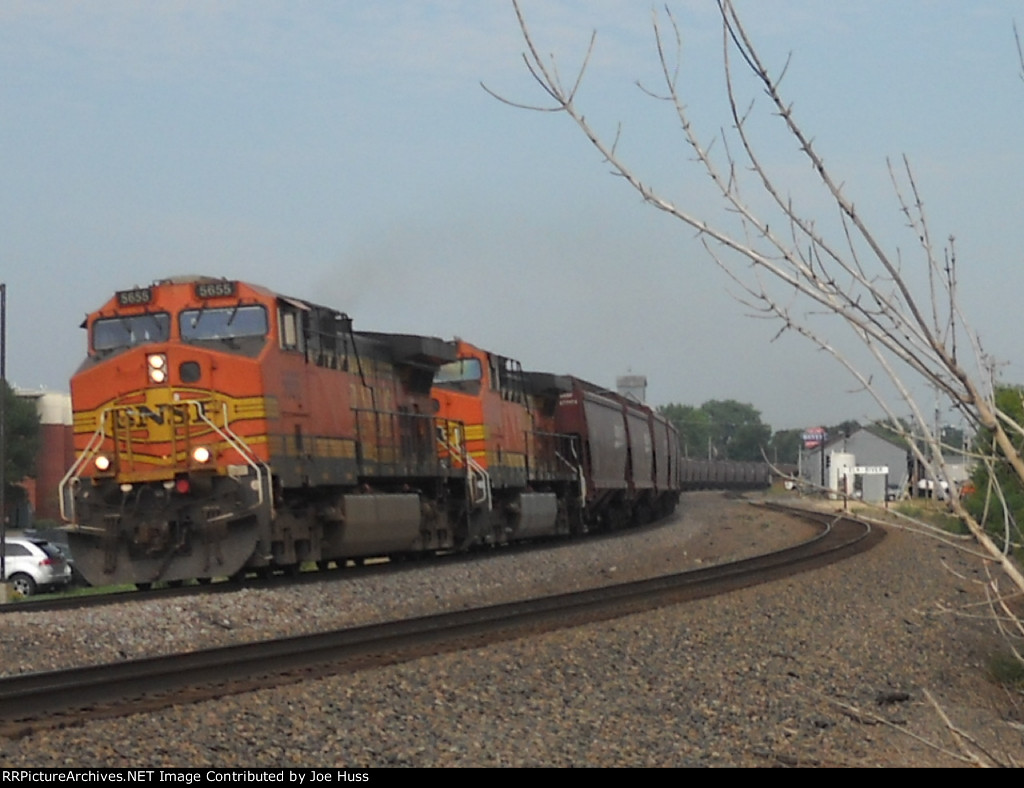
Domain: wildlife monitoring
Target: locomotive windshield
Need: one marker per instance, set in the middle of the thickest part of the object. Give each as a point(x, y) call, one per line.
point(115, 333)
point(223, 323)
point(461, 375)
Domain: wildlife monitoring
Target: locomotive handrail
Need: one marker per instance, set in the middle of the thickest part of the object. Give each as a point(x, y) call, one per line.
point(474, 470)
point(576, 468)
point(398, 437)
point(239, 445)
point(67, 503)
point(87, 454)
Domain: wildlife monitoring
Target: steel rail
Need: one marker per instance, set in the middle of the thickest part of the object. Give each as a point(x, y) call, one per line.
point(64, 697)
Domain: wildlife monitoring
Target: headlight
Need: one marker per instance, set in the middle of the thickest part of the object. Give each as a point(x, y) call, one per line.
point(201, 454)
point(102, 463)
point(156, 363)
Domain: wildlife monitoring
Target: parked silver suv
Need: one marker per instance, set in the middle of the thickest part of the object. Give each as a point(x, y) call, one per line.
point(34, 564)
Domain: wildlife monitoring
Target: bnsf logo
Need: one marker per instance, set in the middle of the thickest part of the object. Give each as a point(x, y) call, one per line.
point(136, 417)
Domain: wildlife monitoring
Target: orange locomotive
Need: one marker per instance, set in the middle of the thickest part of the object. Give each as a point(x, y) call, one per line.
point(523, 478)
point(221, 428)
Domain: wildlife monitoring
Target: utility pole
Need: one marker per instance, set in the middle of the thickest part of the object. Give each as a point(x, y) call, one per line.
point(3, 442)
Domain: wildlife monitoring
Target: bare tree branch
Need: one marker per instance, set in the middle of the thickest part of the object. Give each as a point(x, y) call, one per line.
point(853, 277)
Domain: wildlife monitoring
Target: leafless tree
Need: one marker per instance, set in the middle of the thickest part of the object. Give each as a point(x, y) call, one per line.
point(790, 268)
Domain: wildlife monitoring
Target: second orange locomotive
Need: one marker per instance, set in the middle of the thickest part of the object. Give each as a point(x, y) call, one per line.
point(222, 428)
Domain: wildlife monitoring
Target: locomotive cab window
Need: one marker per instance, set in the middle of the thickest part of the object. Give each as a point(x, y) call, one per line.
point(290, 322)
point(461, 375)
point(326, 333)
point(233, 322)
point(125, 331)
point(507, 378)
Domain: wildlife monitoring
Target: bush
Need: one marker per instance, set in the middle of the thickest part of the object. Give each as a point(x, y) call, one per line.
point(1006, 670)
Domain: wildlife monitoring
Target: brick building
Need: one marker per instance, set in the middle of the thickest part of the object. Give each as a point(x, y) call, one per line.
point(56, 453)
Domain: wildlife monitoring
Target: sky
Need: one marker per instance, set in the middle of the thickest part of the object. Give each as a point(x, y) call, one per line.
point(346, 153)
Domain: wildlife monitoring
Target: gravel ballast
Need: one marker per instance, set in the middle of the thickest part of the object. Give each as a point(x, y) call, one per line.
point(844, 666)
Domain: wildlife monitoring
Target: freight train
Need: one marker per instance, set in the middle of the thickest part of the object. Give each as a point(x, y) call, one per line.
point(221, 429)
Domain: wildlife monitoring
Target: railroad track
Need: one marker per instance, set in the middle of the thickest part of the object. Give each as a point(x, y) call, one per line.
point(350, 569)
point(29, 702)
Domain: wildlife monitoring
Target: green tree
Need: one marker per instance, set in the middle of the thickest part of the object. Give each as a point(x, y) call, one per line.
point(22, 441)
point(720, 429)
point(694, 430)
point(846, 428)
point(784, 447)
point(738, 431)
point(998, 500)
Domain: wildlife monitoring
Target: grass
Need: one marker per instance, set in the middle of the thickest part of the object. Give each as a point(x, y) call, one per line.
point(931, 512)
point(1006, 670)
